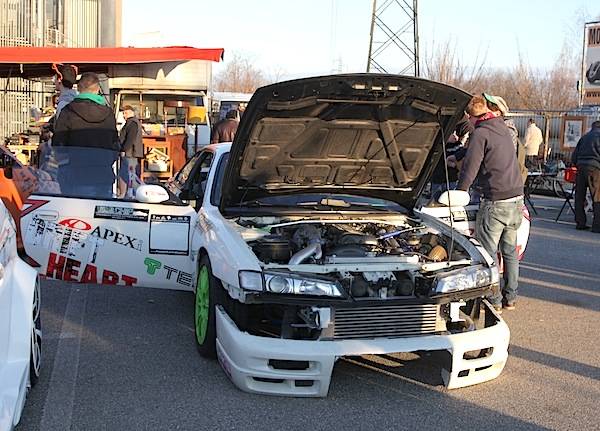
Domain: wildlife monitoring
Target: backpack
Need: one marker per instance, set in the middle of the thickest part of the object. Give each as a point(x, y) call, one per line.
point(521, 160)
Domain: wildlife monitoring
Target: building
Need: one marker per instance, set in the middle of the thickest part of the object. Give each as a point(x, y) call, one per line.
point(72, 23)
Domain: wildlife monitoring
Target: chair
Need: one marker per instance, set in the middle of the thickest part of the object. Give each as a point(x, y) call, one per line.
point(570, 177)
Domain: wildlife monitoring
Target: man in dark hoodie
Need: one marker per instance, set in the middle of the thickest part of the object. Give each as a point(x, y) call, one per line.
point(587, 159)
point(85, 134)
point(491, 158)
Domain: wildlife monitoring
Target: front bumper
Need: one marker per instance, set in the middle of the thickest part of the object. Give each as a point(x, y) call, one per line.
point(245, 358)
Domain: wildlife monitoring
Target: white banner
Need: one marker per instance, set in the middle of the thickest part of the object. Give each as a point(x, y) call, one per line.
point(591, 78)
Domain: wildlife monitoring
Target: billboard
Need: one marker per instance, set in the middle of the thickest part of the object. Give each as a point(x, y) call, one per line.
point(591, 64)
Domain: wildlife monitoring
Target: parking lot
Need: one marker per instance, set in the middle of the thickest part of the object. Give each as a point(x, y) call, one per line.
point(124, 358)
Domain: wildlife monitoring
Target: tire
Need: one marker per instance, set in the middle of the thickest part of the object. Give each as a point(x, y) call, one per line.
point(35, 352)
point(208, 290)
point(557, 191)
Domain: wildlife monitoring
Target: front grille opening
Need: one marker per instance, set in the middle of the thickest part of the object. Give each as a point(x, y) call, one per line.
point(463, 373)
point(482, 368)
point(282, 364)
point(480, 353)
point(303, 383)
point(267, 380)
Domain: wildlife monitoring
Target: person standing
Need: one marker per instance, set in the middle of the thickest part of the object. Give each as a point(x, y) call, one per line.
point(491, 159)
point(533, 140)
point(67, 78)
point(224, 131)
point(586, 157)
point(86, 142)
point(132, 149)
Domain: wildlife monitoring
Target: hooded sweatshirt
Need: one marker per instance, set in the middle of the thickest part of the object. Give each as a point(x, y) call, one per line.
point(491, 158)
point(86, 123)
point(67, 95)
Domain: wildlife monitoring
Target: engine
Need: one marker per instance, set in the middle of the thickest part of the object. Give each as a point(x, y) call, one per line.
point(323, 243)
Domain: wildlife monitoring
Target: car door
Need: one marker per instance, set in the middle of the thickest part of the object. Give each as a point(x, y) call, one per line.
point(110, 241)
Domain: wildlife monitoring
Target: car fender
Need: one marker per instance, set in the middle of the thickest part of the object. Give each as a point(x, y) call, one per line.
point(227, 251)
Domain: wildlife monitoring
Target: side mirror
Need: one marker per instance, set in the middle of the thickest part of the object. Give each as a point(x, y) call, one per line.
point(456, 198)
point(151, 194)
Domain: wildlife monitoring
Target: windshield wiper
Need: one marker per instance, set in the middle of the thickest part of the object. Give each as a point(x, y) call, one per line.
point(340, 203)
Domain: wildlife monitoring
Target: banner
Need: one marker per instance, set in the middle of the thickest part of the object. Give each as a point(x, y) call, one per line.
point(591, 60)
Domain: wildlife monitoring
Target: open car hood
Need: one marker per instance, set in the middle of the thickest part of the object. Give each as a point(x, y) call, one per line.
point(359, 134)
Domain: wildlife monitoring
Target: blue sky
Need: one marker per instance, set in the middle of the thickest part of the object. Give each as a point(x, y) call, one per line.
point(296, 38)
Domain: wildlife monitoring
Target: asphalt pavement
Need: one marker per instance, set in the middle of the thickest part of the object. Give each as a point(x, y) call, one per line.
point(118, 358)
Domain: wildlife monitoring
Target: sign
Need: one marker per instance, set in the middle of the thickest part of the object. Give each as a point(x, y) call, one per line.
point(591, 64)
point(169, 234)
point(572, 128)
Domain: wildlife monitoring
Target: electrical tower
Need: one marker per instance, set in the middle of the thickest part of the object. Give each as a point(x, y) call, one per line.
point(394, 51)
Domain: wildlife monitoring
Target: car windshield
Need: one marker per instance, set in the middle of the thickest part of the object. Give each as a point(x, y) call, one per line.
point(327, 201)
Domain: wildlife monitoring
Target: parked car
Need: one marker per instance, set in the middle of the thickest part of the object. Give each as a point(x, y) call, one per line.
point(300, 240)
point(20, 323)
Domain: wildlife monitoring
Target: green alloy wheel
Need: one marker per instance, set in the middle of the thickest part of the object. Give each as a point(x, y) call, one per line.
point(204, 309)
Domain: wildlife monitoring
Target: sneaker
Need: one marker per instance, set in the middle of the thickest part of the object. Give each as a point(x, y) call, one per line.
point(510, 305)
point(582, 227)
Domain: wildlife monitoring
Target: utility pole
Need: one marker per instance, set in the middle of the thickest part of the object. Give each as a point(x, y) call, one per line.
point(394, 51)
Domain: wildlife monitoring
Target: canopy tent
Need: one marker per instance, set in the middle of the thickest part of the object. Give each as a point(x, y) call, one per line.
point(36, 62)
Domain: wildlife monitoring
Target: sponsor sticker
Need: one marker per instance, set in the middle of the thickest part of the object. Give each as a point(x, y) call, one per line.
point(68, 269)
point(121, 213)
point(75, 223)
point(169, 234)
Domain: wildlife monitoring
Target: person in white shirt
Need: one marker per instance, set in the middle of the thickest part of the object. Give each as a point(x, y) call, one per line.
point(533, 140)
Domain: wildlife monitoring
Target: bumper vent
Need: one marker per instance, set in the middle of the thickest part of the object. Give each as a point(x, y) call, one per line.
point(387, 321)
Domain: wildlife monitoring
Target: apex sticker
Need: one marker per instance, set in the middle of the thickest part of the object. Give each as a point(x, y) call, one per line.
point(121, 213)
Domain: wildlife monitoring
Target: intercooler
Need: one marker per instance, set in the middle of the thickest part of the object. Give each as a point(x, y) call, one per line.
point(387, 321)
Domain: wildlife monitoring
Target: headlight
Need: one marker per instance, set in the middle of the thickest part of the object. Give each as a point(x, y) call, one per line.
point(283, 283)
point(466, 278)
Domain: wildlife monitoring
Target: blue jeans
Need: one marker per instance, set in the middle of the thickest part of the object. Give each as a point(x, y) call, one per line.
point(497, 224)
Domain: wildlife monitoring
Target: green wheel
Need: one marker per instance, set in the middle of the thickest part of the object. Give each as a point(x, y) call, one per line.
point(207, 290)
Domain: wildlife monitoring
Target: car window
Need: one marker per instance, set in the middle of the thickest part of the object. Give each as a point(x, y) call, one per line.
point(197, 183)
point(215, 196)
point(185, 172)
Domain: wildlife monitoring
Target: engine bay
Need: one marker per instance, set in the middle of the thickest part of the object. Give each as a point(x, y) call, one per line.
point(372, 259)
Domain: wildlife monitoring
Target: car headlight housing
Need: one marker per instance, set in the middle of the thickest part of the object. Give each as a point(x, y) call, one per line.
point(284, 283)
point(466, 278)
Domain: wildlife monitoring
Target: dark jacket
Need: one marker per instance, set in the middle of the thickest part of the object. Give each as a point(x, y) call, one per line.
point(224, 131)
point(83, 123)
point(131, 138)
point(491, 157)
point(587, 152)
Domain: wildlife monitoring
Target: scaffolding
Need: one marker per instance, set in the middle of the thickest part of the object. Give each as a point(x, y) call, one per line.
point(394, 51)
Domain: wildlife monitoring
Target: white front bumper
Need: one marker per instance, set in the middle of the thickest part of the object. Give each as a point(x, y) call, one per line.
point(245, 358)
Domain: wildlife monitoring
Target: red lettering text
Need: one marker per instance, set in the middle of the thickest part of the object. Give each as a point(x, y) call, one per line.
point(90, 274)
point(129, 281)
point(56, 264)
point(109, 277)
point(71, 272)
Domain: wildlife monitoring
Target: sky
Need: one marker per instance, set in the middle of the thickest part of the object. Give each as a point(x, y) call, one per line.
point(295, 38)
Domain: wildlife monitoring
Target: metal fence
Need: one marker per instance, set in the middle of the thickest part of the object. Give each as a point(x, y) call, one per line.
point(552, 125)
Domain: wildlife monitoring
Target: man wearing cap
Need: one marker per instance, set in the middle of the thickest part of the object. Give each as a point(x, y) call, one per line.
point(132, 148)
point(491, 158)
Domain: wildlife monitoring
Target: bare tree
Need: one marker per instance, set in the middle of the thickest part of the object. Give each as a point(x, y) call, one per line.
point(444, 65)
point(239, 76)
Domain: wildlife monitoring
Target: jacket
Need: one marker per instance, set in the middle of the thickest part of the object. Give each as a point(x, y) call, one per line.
point(587, 151)
point(533, 140)
point(492, 159)
point(83, 123)
point(224, 131)
point(131, 138)
point(67, 95)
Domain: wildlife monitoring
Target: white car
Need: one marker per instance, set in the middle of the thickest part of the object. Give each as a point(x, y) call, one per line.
point(20, 327)
point(300, 239)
